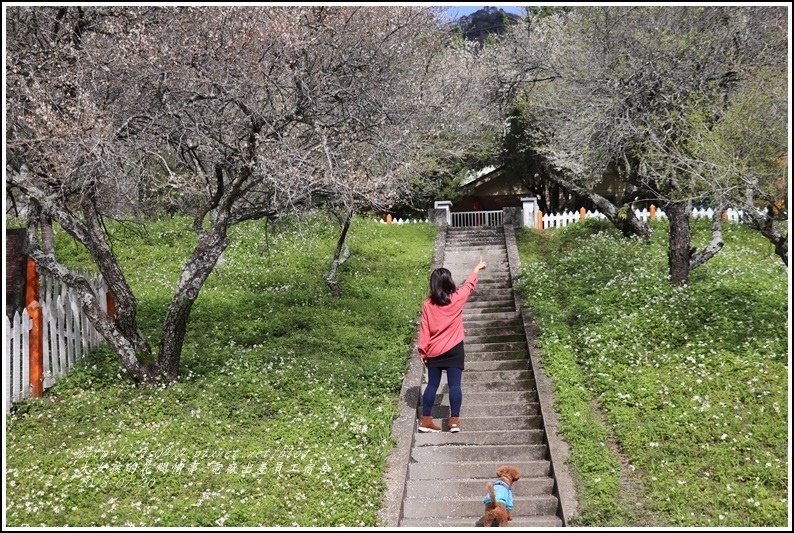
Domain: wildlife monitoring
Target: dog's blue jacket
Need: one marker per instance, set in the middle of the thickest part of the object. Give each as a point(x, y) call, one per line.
point(503, 493)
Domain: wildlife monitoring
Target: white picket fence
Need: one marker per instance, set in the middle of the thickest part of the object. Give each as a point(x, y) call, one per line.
point(404, 221)
point(67, 335)
point(560, 220)
point(15, 344)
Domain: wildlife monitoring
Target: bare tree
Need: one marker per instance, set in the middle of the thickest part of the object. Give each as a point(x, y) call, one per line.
point(255, 111)
point(634, 83)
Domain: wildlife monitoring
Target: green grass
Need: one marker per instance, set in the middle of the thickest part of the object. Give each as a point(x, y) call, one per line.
point(692, 381)
point(287, 394)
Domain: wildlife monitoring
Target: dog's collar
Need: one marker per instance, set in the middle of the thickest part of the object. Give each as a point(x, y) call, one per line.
point(501, 481)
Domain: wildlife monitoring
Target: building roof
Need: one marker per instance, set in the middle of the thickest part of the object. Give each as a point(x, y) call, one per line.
point(484, 174)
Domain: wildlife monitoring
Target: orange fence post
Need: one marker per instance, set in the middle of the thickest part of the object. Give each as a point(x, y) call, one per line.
point(540, 219)
point(581, 213)
point(36, 350)
point(388, 218)
point(111, 301)
point(31, 282)
point(653, 212)
point(36, 346)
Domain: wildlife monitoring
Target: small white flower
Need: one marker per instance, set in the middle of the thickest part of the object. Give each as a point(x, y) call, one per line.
point(724, 436)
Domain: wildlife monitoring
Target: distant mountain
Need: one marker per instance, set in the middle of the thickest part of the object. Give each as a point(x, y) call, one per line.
point(480, 24)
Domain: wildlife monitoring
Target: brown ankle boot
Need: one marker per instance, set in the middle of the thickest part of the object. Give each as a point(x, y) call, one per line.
point(426, 425)
point(454, 424)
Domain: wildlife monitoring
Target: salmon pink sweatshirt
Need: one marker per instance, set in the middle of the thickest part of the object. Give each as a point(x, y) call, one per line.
point(441, 326)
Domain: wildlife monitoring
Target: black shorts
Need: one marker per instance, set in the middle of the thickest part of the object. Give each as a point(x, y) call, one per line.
point(452, 358)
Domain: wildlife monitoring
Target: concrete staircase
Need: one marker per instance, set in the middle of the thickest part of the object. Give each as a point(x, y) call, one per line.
point(500, 417)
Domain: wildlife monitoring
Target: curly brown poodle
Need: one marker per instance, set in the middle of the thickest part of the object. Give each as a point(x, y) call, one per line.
point(499, 509)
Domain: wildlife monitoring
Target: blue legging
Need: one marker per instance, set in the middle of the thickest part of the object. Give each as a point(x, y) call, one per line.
point(434, 380)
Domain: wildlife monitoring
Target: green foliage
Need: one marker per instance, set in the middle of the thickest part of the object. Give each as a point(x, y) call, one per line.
point(458, 38)
point(692, 381)
point(16, 223)
point(287, 393)
point(484, 23)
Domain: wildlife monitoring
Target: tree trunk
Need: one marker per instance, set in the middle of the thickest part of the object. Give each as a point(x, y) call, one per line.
point(624, 219)
point(764, 222)
point(340, 256)
point(714, 246)
point(780, 242)
point(96, 242)
point(195, 272)
point(47, 236)
point(133, 351)
point(680, 243)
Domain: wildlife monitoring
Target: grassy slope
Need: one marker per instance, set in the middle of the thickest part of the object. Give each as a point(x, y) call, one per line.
point(287, 393)
point(692, 381)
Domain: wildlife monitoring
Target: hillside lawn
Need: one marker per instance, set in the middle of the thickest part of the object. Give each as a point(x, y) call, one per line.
point(283, 413)
point(674, 400)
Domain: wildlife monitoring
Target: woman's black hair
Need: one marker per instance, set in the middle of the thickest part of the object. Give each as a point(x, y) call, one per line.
point(441, 286)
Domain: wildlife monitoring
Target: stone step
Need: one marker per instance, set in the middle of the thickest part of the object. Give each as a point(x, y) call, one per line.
point(469, 239)
point(487, 281)
point(491, 303)
point(494, 423)
point(526, 522)
point(491, 250)
point(496, 355)
point(476, 238)
point(493, 295)
point(478, 314)
point(481, 291)
point(492, 376)
point(497, 268)
point(496, 331)
point(507, 364)
point(491, 370)
point(475, 338)
point(494, 284)
point(501, 312)
point(511, 385)
point(488, 284)
point(476, 230)
point(473, 399)
point(477, 246)
point(448, 489)
point(474, 469)
point(506, 453)
point(469, 438)
point(472, 347)
point(480, 322)
point(486, 339)
point(462, 262)
point(522, 506)
point(467, 410)
point(460, 274)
